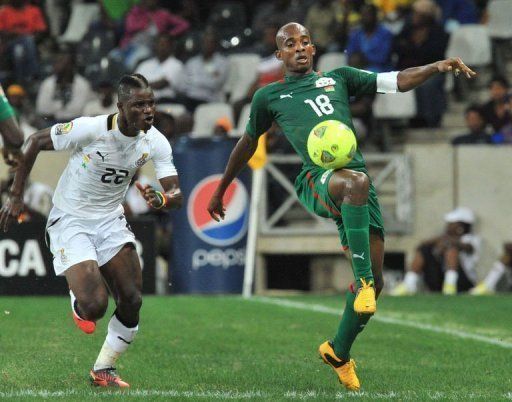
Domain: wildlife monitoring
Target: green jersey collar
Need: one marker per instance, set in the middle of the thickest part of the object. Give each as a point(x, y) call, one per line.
point(293, 78)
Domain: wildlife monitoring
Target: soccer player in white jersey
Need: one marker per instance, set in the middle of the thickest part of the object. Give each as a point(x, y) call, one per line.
point(89, 237)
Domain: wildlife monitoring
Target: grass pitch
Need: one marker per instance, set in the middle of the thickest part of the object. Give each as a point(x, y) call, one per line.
point(216, 348)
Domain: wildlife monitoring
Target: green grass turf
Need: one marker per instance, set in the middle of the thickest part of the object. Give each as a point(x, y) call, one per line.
point(204, 348)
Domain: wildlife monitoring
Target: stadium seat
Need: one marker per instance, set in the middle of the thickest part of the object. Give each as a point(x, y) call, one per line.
point(229, 14)
point(242, 121)
point(82, 14)
point(206, 115)
point(330, 61)
point(188, 45)
point(242, 73)
point(471, 42)
point(500, 19)
point(94, 46)
point(174, 109)
point(397, 106)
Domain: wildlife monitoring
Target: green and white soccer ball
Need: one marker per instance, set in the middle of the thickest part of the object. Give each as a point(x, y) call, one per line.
point(331, 144)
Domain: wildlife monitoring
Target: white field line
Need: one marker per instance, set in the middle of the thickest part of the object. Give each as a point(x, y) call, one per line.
point(249, 395)
point(387, 320)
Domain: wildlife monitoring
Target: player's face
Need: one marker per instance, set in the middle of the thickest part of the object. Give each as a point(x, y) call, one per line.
point(296, 51)
point(139, 109)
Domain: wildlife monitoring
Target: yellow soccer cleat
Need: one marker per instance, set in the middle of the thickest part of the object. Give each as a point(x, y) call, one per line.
point(364, 302)
point(345, 370)
point(449, 290)
point(480, 290)
point(400, 290)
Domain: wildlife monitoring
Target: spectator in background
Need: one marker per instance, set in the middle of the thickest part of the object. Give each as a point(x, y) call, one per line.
point(321, 21)
point(496, 110)
point(204, 75)
point(20, 24)
point(143, 23)
point(279, 12)
point(500, 274)
point(222, 127)
point(446, 262)
point(457, 12)
point(163, 70)
point(27, 119)
point(104, 101)
point(371, 43)
point(476, 124)
point(269, 69)
point(423, 41)
point(63, 95)
point(166, 124)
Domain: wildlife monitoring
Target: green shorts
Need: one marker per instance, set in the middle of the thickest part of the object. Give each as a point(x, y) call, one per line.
point(311, 186)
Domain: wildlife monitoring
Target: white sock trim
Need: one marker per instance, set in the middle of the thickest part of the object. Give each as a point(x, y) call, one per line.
point(494, 275)
point(120, 337)
point(450, 277)
point(411, 281)
point(107, 357)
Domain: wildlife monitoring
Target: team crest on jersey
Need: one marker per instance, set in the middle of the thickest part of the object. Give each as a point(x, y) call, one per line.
point(86, 160)
point(63, 128)
point(325, 82)
point(142, 160)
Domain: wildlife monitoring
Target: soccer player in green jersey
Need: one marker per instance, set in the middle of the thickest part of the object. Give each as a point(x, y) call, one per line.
point(11, 133)
point(303, 99)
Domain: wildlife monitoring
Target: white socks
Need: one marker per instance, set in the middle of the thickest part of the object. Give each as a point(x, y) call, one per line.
point(411, 281)
point(118, 339)
point(450, 277)
point(494, 275)
point(73, 299)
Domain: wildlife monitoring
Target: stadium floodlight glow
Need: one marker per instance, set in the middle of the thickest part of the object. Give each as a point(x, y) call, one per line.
point(235, 40)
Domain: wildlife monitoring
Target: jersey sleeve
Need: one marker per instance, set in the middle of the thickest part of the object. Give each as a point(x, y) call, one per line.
point(162, 157)
point(76, 133)
point(6, 109)
point(359, 82)
point(260, 118)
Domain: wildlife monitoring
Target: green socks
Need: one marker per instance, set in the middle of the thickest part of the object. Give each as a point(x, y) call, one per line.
point(356, 221)
point(350, 326)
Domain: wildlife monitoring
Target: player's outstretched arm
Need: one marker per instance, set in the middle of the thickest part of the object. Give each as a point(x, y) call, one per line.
point(243, 151)
point(13, 140)
point(171, 198)
point(40, 141)
point(412, 77)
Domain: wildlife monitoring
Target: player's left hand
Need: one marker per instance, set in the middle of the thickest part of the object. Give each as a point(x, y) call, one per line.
point(149, 194)
point(11, 211)
point(456, 65)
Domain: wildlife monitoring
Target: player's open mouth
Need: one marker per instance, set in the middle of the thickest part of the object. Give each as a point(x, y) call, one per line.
point(148, 119)
point(302, 59)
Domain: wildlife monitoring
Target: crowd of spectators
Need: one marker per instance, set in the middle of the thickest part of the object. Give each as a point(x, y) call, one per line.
point(182, 47)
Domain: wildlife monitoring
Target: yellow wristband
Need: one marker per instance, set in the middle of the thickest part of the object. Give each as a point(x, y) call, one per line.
point(163, 198)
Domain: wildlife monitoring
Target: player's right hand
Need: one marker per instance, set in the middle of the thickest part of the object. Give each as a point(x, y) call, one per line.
point(10, 211)
point(216, 208)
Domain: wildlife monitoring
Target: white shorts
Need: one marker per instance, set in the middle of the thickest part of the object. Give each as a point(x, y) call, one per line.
point(72, 239)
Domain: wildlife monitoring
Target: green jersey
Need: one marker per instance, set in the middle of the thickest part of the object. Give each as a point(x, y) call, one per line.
point(298, 103)
point(6, 109)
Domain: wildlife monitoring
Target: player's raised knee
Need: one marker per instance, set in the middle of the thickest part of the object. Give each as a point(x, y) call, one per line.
point(360, 182)
point(94, 308)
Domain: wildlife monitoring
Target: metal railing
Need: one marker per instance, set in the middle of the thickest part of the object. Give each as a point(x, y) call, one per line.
point(391, 176)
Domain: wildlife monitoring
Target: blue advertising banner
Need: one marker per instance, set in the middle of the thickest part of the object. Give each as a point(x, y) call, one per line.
point(208, 256)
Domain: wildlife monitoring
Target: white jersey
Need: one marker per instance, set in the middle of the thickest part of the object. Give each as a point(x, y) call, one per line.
point(102, 164)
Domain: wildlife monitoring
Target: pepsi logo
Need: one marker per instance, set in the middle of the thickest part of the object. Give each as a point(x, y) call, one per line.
point(234, 225)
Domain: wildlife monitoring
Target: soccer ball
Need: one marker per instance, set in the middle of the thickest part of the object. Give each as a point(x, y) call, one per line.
point(331, 144)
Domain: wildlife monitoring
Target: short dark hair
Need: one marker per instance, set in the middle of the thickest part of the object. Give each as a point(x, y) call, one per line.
point(474, 108)
point(129, 82)
point(499, 79)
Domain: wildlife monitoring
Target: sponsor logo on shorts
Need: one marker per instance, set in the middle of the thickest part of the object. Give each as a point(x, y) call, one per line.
point(142, 160)
point(63, 128)
point(63, 257)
